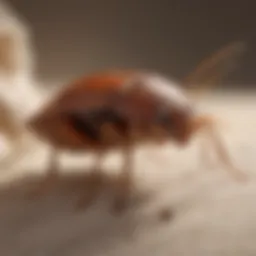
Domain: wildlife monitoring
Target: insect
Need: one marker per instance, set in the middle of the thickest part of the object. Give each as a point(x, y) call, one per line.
point(123, 108)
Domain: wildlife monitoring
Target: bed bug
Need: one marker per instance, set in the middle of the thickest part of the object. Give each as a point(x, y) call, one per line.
point(120, 109)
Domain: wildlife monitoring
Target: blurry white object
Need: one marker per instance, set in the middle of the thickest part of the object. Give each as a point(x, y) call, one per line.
point(16, 61)
point(18, 92)
point(4, 147)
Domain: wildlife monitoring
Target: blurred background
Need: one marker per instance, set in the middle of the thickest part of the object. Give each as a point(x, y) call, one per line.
point(77, 37)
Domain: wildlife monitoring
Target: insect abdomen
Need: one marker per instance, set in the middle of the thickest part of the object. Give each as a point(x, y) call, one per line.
point(88, 125)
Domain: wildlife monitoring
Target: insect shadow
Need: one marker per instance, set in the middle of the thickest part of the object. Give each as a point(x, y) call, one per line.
point(83, 188)
point(53, 212)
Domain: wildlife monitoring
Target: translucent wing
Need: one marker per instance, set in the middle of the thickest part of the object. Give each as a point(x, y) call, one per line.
point(216, 67)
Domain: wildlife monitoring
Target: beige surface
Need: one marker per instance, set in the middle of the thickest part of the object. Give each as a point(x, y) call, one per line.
point(213, 215)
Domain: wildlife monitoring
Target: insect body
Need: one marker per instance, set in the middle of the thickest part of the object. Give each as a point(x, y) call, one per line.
point(120, 109)
point(130, 104)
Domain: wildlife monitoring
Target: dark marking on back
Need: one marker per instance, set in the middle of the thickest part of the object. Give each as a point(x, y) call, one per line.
point(88, 124)
point(84, 126)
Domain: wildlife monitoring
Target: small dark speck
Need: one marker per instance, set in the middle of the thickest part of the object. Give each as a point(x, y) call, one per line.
point(165, 214)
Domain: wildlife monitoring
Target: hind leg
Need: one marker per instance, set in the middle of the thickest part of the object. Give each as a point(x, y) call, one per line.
point(51, 176)
point(52, 173)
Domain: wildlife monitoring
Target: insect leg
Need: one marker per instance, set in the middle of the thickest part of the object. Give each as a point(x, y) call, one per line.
point(224, 156)
point(51, 176)
point(204, 153)
point(92, 188)
point(124, 185)
point(53, 165)
point(208, 124)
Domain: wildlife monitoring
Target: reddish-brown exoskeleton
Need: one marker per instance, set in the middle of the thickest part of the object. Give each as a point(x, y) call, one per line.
point(119, 109)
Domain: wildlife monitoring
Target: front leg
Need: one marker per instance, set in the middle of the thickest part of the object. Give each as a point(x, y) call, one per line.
point(93, 183)
point(225, 158)
point(208, 124)
point(124, 184)
point(205, 156)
